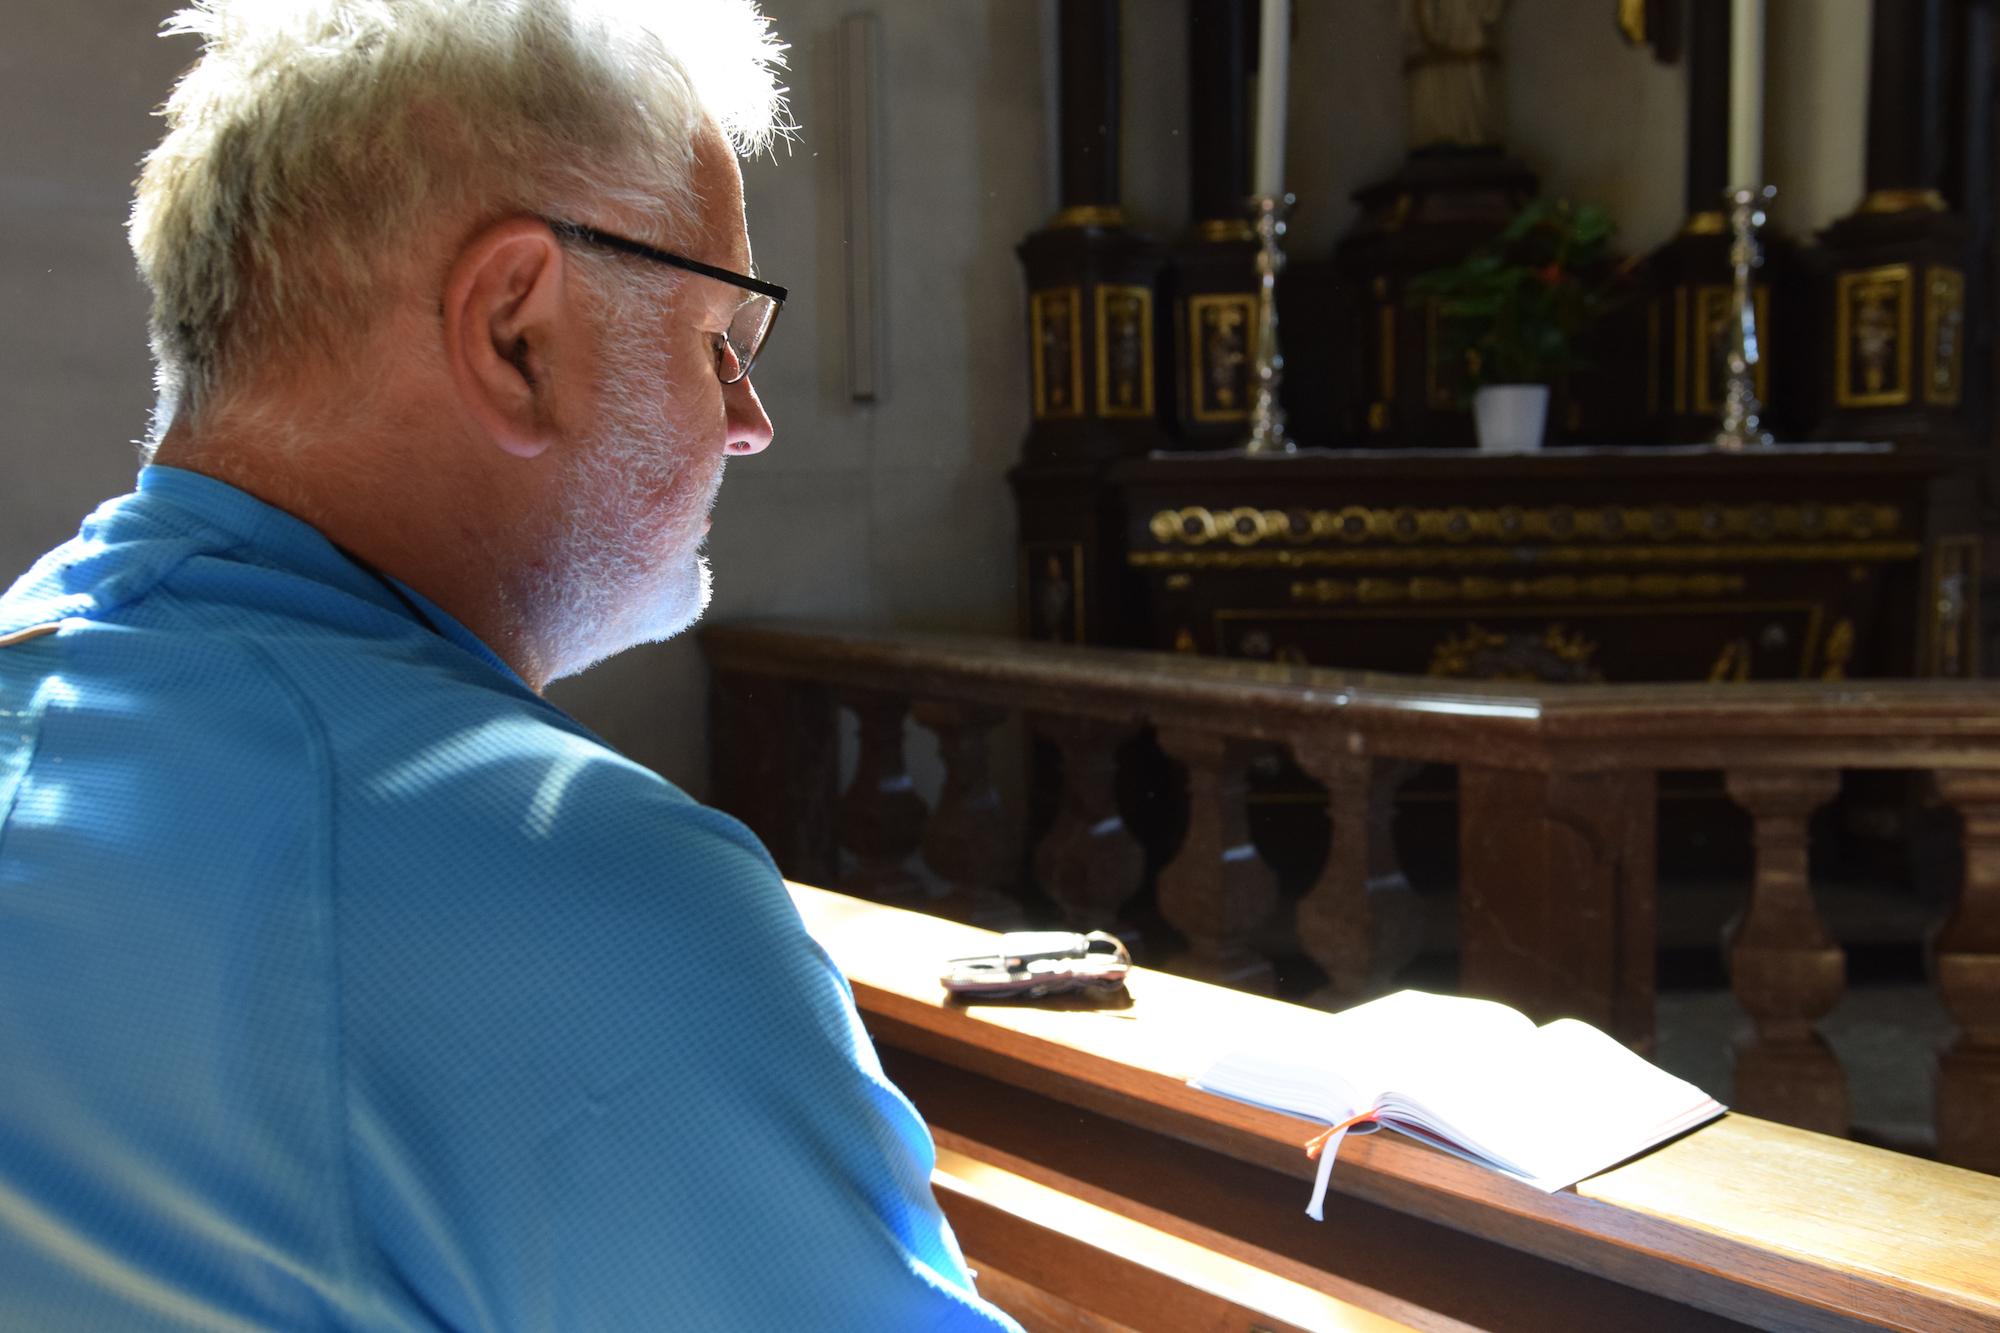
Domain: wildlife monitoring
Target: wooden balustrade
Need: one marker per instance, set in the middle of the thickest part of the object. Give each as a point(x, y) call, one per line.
point(1557, 789)
point(1088, 861)
point(1783, 965)
point(1358, 921)
point(1217, 890)
point(966, 839)
point(1967, 960)
point(881, 815)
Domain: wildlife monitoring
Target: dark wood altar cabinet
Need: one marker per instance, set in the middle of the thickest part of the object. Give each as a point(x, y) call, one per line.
point(1627, 563)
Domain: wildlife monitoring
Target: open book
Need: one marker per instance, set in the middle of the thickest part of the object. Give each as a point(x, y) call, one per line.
point(1547, 1106)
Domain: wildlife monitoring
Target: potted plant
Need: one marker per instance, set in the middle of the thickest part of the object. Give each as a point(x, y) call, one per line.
point(1515, 310)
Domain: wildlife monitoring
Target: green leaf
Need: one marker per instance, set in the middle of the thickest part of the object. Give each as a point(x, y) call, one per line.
point(1503, 310)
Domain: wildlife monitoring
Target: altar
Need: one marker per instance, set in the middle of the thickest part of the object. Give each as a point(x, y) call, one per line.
point(1764, 455)
point(1615, 563)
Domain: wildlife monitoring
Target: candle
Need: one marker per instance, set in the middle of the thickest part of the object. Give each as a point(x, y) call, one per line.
point(1274, 37)
point(1746, 94)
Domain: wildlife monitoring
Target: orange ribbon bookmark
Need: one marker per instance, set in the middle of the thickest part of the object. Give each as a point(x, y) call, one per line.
point(1319, 1141)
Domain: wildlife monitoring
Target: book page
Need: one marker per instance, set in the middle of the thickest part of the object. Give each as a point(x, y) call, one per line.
point(1567, 1103)
point(1548, 1106)
point(1342, 1064)
point(1382, 1045)
point(1605, 1101)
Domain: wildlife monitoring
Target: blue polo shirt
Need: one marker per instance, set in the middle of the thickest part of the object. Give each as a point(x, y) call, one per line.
point(346, 984)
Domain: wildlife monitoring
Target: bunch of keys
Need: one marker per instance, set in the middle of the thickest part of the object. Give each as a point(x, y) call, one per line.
point(1032, 963)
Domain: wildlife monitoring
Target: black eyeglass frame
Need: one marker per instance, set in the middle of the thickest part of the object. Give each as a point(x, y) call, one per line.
point(640, 250)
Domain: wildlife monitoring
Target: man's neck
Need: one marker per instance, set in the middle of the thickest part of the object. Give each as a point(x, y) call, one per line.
point(452, 538)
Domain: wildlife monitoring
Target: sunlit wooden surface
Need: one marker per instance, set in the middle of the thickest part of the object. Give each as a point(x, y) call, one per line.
point(1742, 1218)
point(1072, 1259)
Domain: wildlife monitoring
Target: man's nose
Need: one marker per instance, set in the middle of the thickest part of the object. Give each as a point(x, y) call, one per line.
point(749, 427)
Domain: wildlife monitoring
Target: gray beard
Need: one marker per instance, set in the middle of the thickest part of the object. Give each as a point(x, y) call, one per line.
point(607, 583)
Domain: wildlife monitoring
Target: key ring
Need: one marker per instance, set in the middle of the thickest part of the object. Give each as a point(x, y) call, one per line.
point(1031, 963)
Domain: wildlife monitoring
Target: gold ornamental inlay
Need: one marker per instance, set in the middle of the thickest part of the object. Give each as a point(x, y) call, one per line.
point(1954, 607)
point(1124, 350)
point(1872, 336)
point(1478, 653)
point(1632, 21)
point(1220, 230)
point(1486, 589)
point(1732, 663)
point(1357, 525)
point(1088, 215)
point(1944, 335)
point(1839, 650)
point(1435, 557)
point(1055, 326)
point(1904, 200)
point(1222, 348)
point(1051, 580)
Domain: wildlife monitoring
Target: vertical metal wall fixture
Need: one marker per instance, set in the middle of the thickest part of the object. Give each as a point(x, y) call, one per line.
point(858, 39)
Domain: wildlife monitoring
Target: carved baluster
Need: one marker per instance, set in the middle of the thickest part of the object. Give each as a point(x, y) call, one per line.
point(1968, 978)
point(1088, 862)
point(1785, 969)
point(881, 815)
point(1359, 920)
point(1217, 891)
point(966, 841)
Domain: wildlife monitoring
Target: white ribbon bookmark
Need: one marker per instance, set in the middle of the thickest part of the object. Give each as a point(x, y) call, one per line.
point(1360, 1124)
point(1316, 1210)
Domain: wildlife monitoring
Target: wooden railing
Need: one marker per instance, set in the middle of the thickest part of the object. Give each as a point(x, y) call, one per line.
point(1557, 789)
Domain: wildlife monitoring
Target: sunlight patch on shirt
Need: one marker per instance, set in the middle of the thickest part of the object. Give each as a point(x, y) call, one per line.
point(537, 771)
point(54, 692)
point(504, 741)
point(542, 811)
point(41, 803)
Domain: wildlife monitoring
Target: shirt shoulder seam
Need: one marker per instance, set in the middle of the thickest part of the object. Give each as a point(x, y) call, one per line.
point(319, 745)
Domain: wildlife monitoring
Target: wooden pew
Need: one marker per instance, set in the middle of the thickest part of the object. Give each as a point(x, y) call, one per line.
point(1085, 1257)
point(1741, 1222)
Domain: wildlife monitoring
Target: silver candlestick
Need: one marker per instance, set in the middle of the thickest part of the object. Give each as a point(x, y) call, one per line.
point(1267, 418)
point(1742, 414)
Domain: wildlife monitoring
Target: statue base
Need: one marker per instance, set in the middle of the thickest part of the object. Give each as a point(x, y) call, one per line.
point(1396, 385)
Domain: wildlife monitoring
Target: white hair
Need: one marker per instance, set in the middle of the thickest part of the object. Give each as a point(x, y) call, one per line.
point(313, 137)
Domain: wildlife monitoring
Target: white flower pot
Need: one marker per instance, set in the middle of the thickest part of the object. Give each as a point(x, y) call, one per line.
point(1510, 417)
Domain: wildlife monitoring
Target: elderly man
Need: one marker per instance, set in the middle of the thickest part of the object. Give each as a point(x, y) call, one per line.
point(345, 983)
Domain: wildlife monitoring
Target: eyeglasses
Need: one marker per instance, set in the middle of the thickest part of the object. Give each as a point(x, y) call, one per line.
point(748, 327)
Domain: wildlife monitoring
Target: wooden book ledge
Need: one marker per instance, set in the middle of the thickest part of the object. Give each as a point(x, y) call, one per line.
point(1741, 1222)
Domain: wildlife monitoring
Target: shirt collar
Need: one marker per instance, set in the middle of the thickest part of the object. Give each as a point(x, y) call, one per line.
point(300, 546)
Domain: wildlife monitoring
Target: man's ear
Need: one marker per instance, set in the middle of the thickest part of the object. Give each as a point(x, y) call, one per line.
point(503, 307)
